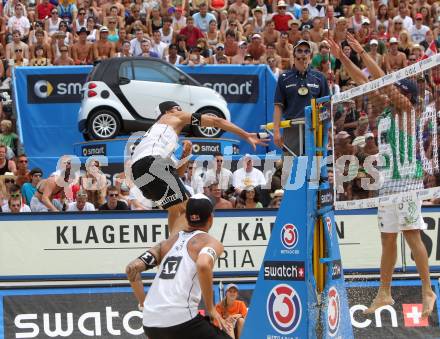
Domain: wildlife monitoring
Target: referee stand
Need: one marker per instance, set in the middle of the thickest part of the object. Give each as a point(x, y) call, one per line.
point(300, 291)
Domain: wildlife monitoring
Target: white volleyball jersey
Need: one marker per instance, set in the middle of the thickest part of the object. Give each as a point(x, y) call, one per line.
point(160, 140)
point(175, 294)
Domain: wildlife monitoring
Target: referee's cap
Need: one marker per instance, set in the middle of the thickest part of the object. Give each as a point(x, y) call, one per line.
point(302, 42)
point(198, 210)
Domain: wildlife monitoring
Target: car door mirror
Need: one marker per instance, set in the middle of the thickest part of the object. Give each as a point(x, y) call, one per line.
point(182, 79)
point(124, 81)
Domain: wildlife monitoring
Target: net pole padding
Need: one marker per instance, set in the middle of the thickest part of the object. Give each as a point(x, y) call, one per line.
point(318, 236)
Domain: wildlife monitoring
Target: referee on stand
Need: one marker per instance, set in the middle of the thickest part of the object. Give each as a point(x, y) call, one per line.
point(295, 89)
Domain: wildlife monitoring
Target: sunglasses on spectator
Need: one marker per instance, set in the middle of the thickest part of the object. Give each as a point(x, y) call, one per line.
point(23, 161)
point(112, 22)
point(63, 25)
point(82, 13)
point(9, 181)
point(15, 206)
point(220, 48)
point(63, 50)
point(37, 175)
point(54, 12)
point(113, 194)
point(15, 195)
point(18, 50)
point(219, 161)
point(302, 51)
point(411, 59)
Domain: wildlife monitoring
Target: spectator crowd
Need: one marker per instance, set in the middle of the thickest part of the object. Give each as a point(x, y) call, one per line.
point(395, 33)
point(196, 32)
point(25, 190)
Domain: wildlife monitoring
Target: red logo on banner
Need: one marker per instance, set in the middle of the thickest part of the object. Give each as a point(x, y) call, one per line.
point(412, 315)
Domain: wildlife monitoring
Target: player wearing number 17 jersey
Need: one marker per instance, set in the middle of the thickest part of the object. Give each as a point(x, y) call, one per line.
point(186, 261)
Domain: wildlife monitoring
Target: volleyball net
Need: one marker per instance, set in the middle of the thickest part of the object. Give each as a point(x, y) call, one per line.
point(385, 138)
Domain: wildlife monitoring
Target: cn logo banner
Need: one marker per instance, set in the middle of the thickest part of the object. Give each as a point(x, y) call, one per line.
point(401, 320)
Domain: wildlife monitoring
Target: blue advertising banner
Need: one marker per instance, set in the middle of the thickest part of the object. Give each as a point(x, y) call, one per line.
point(47, 104)
point(249, 91)
point(48, 101)
point(282, 306)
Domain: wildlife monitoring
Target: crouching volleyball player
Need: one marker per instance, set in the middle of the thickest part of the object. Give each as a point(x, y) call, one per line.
point(157, 172)
point(186, 261)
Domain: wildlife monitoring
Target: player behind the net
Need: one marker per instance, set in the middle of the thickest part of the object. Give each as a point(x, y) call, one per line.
point(156, 170)
point(405, 217)
point(186, 261)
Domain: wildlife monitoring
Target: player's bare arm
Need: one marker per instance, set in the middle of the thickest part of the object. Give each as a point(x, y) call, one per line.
point(213, 121)
point(148, 260)
point(206, 259)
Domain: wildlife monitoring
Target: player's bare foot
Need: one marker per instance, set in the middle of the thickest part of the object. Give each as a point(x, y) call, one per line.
point(429, 298)
point(383, 298)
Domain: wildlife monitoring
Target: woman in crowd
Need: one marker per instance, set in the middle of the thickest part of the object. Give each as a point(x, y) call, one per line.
point(249, 198)
point(231, 309)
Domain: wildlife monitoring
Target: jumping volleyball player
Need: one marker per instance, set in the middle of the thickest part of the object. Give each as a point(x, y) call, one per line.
point(392, 219)
point(156, 170)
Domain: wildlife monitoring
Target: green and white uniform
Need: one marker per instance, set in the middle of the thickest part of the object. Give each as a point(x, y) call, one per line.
point(402, 172)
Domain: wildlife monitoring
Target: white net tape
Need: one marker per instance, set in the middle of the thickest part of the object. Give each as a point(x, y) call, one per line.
point(385, 145)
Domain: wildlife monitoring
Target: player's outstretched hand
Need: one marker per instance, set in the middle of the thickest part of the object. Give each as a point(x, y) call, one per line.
point(335, 49)
point(254, 140)
point(354, 44)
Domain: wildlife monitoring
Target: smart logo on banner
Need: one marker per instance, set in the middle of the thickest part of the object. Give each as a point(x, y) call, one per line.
point(236, 88)
point(55, 88)
point(284, 309)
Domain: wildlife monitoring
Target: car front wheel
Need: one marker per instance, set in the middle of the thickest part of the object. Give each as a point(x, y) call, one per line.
point(104, 124)
point(208, 132)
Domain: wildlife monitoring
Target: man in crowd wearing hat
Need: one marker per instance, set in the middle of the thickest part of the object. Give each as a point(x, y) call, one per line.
point(156, 170)
point(294, 32)
point(103, 49)
point(231, 309)
point(82, 50)
point(238, 59)
point(418, 30)
point(219, 53)
point(247, 175)
point(256, 47)
point(186, 261)
point(374, 44)
point(294, 91)
point(394, 59)
point(281, 18)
